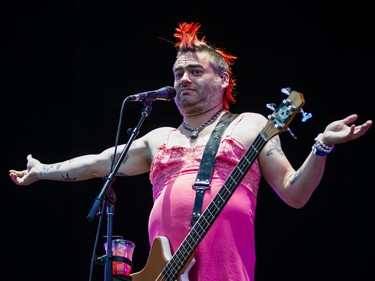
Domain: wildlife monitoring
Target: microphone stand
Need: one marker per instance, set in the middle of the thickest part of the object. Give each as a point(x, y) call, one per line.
point(108, 192)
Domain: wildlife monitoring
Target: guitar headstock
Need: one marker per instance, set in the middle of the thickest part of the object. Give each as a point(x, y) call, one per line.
point(280, 119)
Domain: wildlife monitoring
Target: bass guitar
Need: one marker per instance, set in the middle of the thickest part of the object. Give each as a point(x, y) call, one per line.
point(161, 264)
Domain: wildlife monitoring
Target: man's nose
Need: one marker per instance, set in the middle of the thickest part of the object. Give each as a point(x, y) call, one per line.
point(185, 77)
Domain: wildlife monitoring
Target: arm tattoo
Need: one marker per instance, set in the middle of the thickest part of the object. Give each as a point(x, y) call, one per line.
point(46, 168)
point(123, 162)
point(66, 177)
point(274, 146)
point(295, 177)
point(117, 156)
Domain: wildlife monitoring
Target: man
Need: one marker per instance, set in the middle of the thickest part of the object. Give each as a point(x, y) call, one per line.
point(204, 91)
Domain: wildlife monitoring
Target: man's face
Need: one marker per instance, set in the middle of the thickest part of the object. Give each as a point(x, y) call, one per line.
point(198, 87)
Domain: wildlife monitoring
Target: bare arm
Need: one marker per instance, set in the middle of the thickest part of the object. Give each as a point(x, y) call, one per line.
point(75, 169)
point(295, 187)
point(137, 161)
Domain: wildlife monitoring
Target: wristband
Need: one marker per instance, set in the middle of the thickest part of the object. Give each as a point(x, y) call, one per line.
point(320, 148)
point(318, 152)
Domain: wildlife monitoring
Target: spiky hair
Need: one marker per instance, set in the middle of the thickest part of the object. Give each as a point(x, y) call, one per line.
point(188, 41)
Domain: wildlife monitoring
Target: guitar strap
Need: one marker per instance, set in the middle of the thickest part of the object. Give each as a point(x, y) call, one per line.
point(202, 182)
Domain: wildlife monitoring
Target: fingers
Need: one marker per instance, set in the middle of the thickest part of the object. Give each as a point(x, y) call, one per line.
point(352, 129)
point(364, 127)
point(350, 119)
point(13, 176)
point(16, 176)
point(367, 124)
point(359, 130)
point(356, 128)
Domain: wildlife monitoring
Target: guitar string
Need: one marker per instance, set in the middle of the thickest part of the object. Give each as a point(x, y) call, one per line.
point(236, 174)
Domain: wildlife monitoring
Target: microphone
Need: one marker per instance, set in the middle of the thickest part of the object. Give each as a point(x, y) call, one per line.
point(166, 93)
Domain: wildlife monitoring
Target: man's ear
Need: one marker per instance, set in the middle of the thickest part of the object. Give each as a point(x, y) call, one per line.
point(224, 77)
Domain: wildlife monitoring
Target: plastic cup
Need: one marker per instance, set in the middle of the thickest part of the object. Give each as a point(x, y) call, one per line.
point(121, 248)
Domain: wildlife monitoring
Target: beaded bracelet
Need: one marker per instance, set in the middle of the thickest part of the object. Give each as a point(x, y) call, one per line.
point(319, 148)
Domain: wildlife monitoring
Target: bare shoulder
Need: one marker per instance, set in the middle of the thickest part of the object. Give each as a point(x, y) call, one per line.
point(255, 116)
point(247, 127)
point(161, 131)
point(252, 120)
point(157, 137)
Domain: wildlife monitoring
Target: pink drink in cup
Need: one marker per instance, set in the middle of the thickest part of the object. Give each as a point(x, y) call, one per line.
point(121, 248)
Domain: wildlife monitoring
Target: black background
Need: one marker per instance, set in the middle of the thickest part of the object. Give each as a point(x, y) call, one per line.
point(67, 67)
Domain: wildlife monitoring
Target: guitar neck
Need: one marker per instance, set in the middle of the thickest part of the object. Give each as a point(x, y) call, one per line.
point(278, 122)
point(204, 222)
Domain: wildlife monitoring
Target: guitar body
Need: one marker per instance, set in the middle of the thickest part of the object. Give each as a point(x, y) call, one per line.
point(160, 255)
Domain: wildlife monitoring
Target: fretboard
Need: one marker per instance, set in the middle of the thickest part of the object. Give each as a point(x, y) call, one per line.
point(204, 222)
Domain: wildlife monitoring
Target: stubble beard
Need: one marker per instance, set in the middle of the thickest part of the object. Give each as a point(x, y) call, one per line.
point(197, 105)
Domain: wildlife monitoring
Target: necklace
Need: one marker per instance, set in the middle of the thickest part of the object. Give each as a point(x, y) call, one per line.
point(195, 132)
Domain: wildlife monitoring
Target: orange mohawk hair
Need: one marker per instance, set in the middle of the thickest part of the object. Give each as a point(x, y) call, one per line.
point(187, 34)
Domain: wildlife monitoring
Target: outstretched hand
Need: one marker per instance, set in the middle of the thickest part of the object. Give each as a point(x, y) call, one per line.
point(344, 130)
point(28, 176)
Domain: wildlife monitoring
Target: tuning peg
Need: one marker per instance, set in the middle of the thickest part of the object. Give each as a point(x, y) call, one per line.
point(271, 106)
point(305, 115)
point(286, 90)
